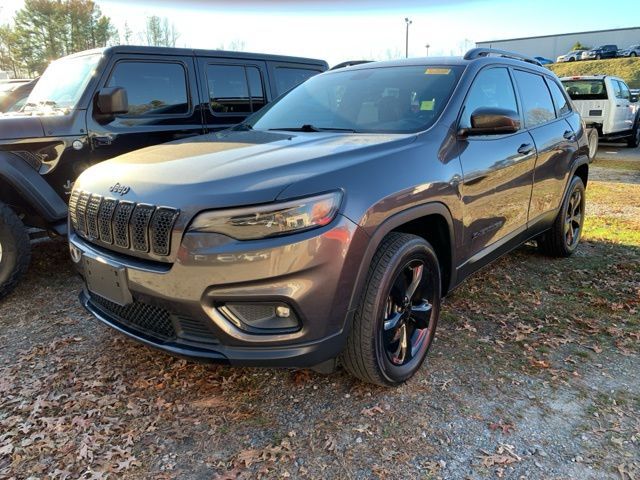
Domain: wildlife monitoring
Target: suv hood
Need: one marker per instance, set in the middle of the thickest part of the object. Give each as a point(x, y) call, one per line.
point(20, 127)
point(231, 168)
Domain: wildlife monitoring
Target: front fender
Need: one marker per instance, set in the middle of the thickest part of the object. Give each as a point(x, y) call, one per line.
point(34, 191)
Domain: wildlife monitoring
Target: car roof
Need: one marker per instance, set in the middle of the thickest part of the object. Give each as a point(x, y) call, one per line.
point(142, 50)
point(449, 61)
point(589, 77)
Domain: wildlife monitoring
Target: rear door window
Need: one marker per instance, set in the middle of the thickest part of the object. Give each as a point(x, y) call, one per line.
point(536, 99)
point(491, 88)
point(153, 88)
point(235, 89)
point(559, 100)
point(288, 78)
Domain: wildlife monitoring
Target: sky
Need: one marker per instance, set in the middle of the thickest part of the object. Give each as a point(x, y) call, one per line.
point(346, 30)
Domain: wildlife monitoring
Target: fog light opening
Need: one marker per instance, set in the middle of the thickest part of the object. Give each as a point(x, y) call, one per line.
point(263, 318)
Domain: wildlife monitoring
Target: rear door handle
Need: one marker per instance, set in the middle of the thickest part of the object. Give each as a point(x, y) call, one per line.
point(569, 135)
point(525, 149)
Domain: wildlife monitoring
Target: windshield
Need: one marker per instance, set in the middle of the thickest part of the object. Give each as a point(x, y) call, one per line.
point(63, 82)
point(585, 89)
point(380, 100)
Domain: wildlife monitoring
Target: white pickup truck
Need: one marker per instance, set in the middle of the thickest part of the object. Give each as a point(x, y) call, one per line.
point(606, 104)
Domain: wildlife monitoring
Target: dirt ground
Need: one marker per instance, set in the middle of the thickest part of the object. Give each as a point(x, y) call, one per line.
point(535, 373)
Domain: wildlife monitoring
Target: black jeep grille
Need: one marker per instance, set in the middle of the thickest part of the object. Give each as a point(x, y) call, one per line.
point(140, 227)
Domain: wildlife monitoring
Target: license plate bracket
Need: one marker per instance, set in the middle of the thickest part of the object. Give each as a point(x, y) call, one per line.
point(107, 280)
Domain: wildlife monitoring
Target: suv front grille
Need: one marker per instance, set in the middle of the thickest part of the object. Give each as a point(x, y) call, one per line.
point(139, 227)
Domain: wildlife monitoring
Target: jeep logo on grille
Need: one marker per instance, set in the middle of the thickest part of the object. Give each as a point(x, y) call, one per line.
point(121, 189)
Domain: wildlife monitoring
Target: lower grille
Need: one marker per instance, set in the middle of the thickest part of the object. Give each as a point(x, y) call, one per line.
point(152, 320)
point(155, 321)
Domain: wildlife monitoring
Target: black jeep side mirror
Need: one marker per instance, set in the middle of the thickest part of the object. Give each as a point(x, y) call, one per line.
point(113, 100)
point(633, 99)
point(492, 121)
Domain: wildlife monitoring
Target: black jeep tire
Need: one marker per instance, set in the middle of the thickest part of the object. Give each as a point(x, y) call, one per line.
point(562, 239)
point(634, 139)
point(15, 249)
point(388, 342)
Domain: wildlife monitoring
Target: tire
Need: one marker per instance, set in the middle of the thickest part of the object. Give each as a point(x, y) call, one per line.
point(634, 140)
point(571, 59)
point(374, 351)
point(564, 236)
point(593, 142)
point(632, 54)
point(598, 57)
point(15, 250)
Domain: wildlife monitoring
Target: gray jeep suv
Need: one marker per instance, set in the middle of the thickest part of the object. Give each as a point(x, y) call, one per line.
point(330, 224)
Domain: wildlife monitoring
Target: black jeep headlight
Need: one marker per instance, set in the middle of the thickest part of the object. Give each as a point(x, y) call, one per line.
point(250, 223)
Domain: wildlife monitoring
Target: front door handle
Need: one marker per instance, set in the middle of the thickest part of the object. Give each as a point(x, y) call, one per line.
point(525, 149)
point(569, 135)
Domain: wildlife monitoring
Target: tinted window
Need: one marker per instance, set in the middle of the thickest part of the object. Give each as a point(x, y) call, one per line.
point(287, 78)
point(559, 100)
point(256, 88)
point(536, 100)
point(491, 88)
point(228, 89)
point(386, 100)
point(152, 88)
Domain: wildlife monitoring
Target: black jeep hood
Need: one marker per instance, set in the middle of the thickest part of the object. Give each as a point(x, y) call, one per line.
point(19, 127)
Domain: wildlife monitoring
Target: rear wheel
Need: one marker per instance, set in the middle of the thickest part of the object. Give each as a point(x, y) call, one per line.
point(396, 320)
point(592, 139)
point(15, 249)
point(563, 237)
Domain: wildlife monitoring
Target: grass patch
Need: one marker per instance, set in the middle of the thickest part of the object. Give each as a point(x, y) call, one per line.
point(612, 229)
point(628, 165)
point(615, 195)
point(626, 68)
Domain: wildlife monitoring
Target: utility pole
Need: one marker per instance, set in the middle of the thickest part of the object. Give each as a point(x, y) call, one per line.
point(427, 46)
point(407, 22)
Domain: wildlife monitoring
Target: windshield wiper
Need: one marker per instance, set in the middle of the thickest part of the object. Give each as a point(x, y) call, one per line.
point(307, 127)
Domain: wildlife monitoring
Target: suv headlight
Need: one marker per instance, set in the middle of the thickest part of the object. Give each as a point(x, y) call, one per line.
point(250, 223)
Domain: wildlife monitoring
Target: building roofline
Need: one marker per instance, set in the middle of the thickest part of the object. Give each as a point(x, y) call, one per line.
point(559, 35)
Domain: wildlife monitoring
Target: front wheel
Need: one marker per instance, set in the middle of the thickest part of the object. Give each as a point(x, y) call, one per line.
point(563, 237)
point(396, 319)
point(598, 57)
point(633, 54)
point(15, 249)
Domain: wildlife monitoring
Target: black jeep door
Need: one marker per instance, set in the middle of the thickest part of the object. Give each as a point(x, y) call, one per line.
point(163, 105)
point(497, 173)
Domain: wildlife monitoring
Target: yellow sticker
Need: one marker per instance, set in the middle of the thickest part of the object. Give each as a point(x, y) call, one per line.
point(437, 71)
point(427, 104)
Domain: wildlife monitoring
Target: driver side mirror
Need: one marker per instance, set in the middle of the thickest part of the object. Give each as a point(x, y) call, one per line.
point(113, 101)
point(633, 99)
point(492, 121)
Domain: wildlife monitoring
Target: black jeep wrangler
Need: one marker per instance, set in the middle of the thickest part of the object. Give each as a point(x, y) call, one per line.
point(98, 104)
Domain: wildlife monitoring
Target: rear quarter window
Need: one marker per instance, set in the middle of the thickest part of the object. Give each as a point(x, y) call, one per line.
point(559, 100)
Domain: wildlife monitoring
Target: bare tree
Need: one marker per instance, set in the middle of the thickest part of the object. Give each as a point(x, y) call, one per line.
point(159, 33)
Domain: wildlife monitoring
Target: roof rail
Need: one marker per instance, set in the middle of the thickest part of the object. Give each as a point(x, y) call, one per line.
point(485, 52)
point(349, 63)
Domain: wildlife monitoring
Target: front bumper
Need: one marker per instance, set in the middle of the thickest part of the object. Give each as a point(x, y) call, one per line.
point(175, 306)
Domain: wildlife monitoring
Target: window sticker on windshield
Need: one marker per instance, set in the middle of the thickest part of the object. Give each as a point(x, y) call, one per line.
point(437, 71)
point(427, 104)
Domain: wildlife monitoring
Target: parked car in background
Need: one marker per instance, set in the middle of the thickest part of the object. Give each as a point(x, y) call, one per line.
point(544, 61)
point(98, 104)
point(631, 51)
point(604, 51)
point(332, 222)
point(606, 104)
point(572, 56)
point(14, 93)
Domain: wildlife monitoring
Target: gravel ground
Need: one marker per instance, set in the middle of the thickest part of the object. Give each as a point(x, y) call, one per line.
point(534, 373)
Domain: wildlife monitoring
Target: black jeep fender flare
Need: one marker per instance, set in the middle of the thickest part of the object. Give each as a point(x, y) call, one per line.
point(390, 224)
point(33, 189)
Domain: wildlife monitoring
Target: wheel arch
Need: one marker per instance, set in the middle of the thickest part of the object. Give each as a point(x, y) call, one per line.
point(431, 221)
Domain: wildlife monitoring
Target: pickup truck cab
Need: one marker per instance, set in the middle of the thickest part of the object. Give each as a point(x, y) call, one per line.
point(98, 104)
point(606, 104)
